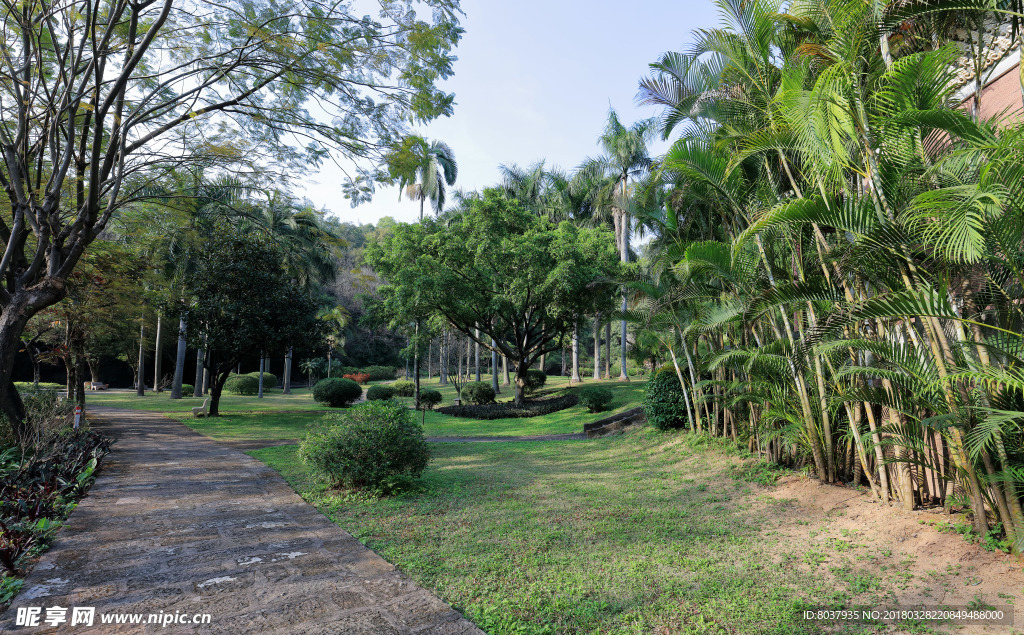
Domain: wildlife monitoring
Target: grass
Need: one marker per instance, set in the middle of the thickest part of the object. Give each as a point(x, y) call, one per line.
point(641, 533)
point(279, 417)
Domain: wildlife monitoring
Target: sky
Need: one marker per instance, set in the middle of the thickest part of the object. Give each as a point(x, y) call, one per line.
point(535, 80)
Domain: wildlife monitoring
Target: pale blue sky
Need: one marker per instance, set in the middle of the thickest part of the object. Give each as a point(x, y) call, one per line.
point(535, 80)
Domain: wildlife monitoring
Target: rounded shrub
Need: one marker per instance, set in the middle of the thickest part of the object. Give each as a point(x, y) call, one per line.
point(404, 388)
point(375, 445)
point(242, 385)
point(430, 398)
point(535, 380)
point(187, 390)
point(379, 393)
point(478, 392)
point(664, 403)
point(269, 379)
point(595, 398)
point(336, 392)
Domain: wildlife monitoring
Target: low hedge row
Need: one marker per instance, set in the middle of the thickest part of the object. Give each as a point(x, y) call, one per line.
point(507, 410)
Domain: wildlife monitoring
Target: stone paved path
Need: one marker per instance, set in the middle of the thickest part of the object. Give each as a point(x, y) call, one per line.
point(179, 523)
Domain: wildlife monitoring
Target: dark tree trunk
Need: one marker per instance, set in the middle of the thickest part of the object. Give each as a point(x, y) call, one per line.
point(14, 315)
point(216, 389)
point(608, 350)
point(494, 369)
point(287, 389)
point(179, 360)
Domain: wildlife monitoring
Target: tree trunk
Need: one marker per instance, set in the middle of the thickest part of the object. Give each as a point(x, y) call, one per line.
point(442, 361)
point(575, 379)
point(156, 354)
point(597, 347)
point(287, 388)
point(494, 368)
point(197, 388)
point(416, 356)
point(216, 390)
point(608, 350)
point(179, 360)
point(263, 365)
point(140, 389)
point(476, 353)
point(623, 376)
point(504, 370)
point(521, 368)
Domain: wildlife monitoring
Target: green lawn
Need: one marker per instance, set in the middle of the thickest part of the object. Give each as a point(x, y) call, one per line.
point(278, 416)
point(641, 533)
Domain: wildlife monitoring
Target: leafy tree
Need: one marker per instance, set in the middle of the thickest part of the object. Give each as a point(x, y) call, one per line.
point(112, 95)
point(496, 271)
point(244, 302)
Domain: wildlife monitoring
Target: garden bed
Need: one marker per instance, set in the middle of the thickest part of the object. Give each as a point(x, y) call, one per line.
point(507, 410)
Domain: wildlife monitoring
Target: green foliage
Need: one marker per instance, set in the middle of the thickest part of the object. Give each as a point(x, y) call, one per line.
point(336, 392)
point(269, 379)
point(664, 403)
point(375, 445)
point(24, 386)
point(404, 388)
point(379, 392)
point(595, 398)
point(187, 390)
point(378, 373)
point(478, 392)
point(241, 385)
point(429, 398)
point(535, 380)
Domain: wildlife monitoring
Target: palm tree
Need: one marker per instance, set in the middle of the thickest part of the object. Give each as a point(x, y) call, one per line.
point(625, 158)
point(432, 168)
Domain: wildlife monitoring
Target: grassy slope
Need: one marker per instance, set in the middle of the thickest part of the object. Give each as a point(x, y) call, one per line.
point(637, 533)
point(279, 416)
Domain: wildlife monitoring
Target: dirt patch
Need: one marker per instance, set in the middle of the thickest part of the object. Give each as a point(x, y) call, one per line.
point(847, 532)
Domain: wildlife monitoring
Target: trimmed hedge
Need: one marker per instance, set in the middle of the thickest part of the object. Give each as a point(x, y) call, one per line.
point(187, 390)
point(359, 378)
point(664, 403)
point(595, 398)
point(507, 410)
point(404, 388)
point(477, 392)
point(269, 379)
point(429, 398)
point(379, 393)
point(242, 385)
point(376, 445)
point(336, 392)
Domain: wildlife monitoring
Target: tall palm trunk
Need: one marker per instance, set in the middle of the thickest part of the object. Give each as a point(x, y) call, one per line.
point(179, 360)
point(156, 355)
point(140, 388)
point(197, 387)
point(494, 368)
point(597, 346)
point(575, 379)
point(286, 388)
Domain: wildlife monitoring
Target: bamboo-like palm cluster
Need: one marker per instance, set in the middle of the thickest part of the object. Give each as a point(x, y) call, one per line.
point(837, 268)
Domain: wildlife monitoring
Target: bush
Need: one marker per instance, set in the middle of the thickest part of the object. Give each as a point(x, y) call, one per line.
point(478, 392)
point(379, 393)
point(269, 379)
point(187, 390)
point(664, 403)
point(508, 410)
point(359, 378)
point(535, 380)
point(430, 398)
point(376, 445)
point(336, 392)
point(242, 385)
point(404, 388)
point(380, 373)
point(22, 386)
point(595, 398)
